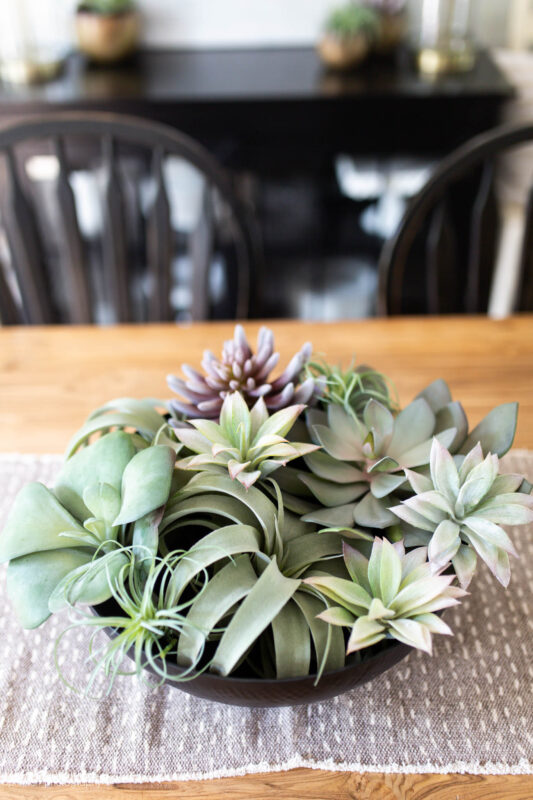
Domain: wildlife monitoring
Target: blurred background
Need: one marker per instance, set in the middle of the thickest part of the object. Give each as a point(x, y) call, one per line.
point(325, 121)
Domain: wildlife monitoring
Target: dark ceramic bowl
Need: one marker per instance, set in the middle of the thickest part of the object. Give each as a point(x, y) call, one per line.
point(261, 693)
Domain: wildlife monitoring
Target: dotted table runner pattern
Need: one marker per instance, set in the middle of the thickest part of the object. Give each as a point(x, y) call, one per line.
point(466, 709)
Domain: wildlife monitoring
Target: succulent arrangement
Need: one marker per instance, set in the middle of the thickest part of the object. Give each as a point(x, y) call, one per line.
point(265, 526)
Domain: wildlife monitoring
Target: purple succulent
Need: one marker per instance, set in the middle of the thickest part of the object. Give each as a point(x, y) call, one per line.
point(241, 370)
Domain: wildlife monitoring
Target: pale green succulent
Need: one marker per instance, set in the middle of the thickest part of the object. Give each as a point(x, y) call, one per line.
point(364, 460)
point(495, 433)
point(458, 511)
point(249, 444)
point(393, 594)
point(67, 545)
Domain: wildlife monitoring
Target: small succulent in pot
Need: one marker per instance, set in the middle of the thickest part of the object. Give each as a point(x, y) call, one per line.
point(392, 16)
point(107, 30)
point(349, 33)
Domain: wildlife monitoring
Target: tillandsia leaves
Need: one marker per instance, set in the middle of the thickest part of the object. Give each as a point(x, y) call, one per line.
point(258, 559)
point(352, 388)
point(61, 536)
point(392, 594)
point(143, 627)
point(248, 444)
point(241, 370)
point(459, 511)
point(364, 460)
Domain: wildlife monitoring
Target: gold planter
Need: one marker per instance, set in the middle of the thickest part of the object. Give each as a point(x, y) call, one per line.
point(343, 53)
point(107, 37)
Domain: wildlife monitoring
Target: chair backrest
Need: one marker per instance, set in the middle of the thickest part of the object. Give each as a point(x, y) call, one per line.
point(448, 237)
point(99, 238)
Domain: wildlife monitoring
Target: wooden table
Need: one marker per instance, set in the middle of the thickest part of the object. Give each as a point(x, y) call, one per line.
point(50, 379)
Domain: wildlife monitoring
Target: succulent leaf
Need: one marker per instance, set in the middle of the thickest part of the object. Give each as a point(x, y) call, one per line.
point(365, 459)
point(460, 515)
point(392, 593)
point(248, 444)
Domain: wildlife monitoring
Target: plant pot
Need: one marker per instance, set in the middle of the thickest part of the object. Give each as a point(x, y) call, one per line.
point(256, 692)
point(392, 31)
point(107, 38)
point(343, 53)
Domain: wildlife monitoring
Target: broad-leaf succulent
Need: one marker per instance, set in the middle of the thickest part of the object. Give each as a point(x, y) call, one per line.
point(459, 511)
point(68, 543)
point(249, 444)
point(241, 370)
point(364, 460)
point(392, 594)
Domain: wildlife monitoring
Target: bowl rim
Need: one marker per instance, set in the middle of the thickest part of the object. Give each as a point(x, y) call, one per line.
point(175, 669)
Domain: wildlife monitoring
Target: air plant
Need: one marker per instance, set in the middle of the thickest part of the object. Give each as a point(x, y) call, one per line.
point(458, 512)
point(352, 388)
point(247, 444)
point(392, 594)
point(262, 555)
point(241, 370)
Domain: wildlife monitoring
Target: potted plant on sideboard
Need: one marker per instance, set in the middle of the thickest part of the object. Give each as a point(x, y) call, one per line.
point(107, 30)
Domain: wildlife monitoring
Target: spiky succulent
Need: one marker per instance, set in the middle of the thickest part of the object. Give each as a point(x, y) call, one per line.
point(391, 594)
point(248, 444)
point(364, 460)
point(241, 370)
point(458, 512)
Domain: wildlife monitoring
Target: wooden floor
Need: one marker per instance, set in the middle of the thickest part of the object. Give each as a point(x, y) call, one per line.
point(50, 379)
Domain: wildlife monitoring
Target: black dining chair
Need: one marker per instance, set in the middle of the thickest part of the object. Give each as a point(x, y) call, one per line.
point(109, 218)
point(442, 257)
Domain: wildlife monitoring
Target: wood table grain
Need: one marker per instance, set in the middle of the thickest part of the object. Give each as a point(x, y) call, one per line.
point(51, 378)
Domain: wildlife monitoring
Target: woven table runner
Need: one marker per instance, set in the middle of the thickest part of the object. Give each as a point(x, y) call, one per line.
point(466, 709)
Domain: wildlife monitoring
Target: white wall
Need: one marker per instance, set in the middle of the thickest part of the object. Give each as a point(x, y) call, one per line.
point(227, 23)
point(221, 23)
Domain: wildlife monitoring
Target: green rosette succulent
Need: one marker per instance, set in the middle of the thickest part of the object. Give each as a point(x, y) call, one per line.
point(66, 545)
point(458, 511)
point(392, 594)
point(249, 444)
point(364, 460)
